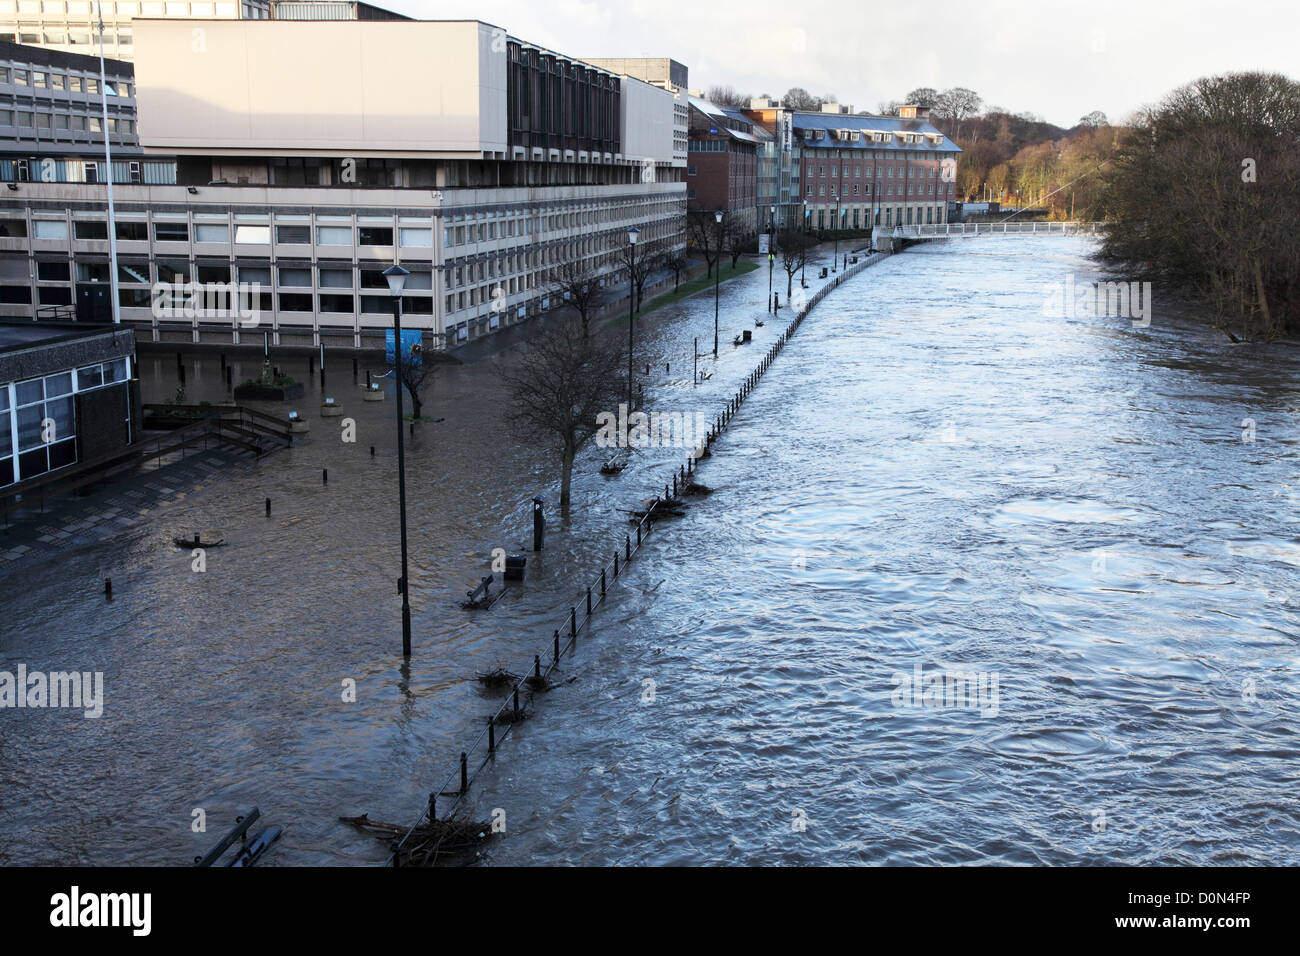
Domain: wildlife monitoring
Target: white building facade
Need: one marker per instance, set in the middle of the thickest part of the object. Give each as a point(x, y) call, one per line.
point(481, 170)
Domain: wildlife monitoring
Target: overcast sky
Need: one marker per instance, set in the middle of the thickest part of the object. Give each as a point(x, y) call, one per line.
point(1059, 59)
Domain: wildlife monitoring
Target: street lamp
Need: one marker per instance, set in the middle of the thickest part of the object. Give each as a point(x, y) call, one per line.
point(396, 277)
point(771, 255)
point(803, 284)
point(836, 258)
point(717, 278)
point(632, 234)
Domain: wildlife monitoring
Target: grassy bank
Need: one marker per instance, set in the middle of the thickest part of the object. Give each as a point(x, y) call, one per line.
point(698, 284)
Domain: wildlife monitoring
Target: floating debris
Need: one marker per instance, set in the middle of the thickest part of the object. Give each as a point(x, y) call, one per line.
point(693, 488)
point(497, 677)
point(452, 842)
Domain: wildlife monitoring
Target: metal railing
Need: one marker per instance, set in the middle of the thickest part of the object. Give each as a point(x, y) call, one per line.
point(957, 230)
point(476, 756)
point(230, 425)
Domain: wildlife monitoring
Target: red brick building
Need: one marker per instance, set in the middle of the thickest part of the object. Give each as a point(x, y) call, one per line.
point(722, 165)
point(862, 171)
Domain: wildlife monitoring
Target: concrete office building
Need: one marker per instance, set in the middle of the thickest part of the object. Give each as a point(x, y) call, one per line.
point(51, 119)
point(481, 170)
point(667, 75)
point(72, 26)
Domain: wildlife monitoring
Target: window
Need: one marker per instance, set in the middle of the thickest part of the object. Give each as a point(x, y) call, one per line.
point(374, 236)
point(49, 229)
point(211, 232)
point(39, 400)
point(337, 303)
point(92, 271)
point(52, 271)
point(333, 236)
point(416, 238)
point(295, 302)
point(133, 231)
point(335, 279)
point(300, 278)
point(90, 230)
point(211, 272)
point(252, 235)
point(293, 235)
point(171, 232)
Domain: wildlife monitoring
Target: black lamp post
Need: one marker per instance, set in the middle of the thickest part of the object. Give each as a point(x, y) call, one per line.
point(803, 264)
point(396, 277)
point(836, 258)
point(771, 255)
point(717, 278)
point(632, 234)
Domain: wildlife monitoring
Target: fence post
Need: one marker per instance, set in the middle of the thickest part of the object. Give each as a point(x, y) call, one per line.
point(602, 582)
point(573, 621)
point(557, 646)
point(492, 734)
point(464, 772)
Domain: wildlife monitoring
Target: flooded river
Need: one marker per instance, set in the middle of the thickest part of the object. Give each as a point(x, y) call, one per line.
point(935, 479)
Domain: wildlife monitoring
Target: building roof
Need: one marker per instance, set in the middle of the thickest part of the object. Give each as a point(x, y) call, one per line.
point(40, 56)
point(707, 108)
point(23, 335)
point(825, 123)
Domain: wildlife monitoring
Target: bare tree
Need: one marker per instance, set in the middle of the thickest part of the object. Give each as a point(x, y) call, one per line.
point(581, 291)
point(734, 238)
point(922, 96)
point(957, 105)
point(639, 261)
point(1205, 195)
point(794, 244)
point(677, 264)
point(560, 386)
point(722, 95)
point(797, 98)
point(1095, 119)
point(706, 236)
point(417, 375)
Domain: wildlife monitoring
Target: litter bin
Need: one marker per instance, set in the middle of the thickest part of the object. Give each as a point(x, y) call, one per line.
point(515, 564)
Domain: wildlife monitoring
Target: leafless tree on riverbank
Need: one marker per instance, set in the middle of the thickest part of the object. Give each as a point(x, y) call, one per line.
point(560, 384)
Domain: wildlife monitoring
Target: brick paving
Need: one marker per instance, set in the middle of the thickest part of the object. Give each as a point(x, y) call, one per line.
point(69, 520)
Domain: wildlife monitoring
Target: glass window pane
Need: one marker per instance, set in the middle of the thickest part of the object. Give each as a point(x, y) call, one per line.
point(60, 384)
point(252, 234)
point(29, 426)
point(32, 391)
point(336, 278)
point(92, 376)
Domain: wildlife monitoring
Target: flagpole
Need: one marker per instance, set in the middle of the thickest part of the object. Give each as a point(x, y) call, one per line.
point(108, 160)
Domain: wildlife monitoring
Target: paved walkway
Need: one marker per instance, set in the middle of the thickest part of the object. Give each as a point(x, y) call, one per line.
point(69, 520)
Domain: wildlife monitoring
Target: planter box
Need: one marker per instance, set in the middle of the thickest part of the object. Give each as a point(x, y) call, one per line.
point(268, 393)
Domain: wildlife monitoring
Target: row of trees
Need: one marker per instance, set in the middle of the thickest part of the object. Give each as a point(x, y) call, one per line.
point(1204, 195)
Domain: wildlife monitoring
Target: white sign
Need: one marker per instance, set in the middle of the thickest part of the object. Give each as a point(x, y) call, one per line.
point(764, 244)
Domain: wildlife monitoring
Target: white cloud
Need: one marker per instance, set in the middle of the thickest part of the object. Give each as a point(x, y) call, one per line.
point(1025, 55)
